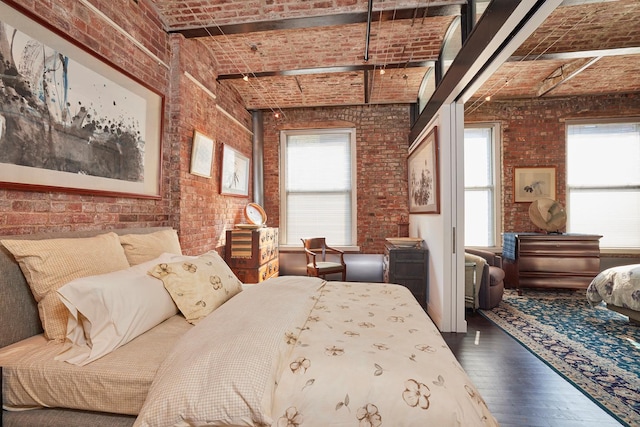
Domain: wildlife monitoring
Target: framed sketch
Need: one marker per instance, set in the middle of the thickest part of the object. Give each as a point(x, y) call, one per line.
point(234, 179)
point(90, 127)
point(201, 155)
point(424, 182)
point(533, 183)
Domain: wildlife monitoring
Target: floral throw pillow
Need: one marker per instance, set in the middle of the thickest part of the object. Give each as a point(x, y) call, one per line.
point(198, 286)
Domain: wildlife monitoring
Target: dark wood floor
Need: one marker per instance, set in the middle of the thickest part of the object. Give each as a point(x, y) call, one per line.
point(520, 389)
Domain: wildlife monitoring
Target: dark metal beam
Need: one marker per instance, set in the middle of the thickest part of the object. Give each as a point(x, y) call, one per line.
point(318, 21)
point(487, 28)
point(324, 70)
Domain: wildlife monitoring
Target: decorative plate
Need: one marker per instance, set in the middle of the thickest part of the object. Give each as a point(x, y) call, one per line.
point(254, 214)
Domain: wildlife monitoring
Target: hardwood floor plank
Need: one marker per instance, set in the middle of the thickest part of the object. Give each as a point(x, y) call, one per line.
point(519, 388)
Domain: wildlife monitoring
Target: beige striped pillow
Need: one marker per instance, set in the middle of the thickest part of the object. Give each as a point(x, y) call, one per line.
point(48, 264)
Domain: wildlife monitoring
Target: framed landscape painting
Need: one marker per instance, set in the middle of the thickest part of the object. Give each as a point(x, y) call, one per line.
point(424, 182)
point(74, 122)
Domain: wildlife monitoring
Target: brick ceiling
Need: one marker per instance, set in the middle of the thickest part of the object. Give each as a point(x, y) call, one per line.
point(305, 53)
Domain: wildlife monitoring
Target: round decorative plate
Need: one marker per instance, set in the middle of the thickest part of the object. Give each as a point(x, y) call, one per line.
point(254, 214)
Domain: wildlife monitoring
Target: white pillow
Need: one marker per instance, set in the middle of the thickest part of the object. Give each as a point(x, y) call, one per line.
point(106, 311)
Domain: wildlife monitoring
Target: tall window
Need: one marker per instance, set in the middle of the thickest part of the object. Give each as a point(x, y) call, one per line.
point(318, 190)
point(482, 210)
point(603, 182)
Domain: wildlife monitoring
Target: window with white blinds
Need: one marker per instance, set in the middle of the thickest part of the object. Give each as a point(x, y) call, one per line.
point(603, 182)
point(482, 214)
point(318, 186)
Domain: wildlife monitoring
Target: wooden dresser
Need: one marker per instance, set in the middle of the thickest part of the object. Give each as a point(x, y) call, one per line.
point(408, 266)
point(253, 254)
point(533, 260)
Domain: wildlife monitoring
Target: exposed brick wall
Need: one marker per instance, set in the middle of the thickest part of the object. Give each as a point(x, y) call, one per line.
point(382, 143)
point(533, 134)
point(204, 212)
point(187, 202)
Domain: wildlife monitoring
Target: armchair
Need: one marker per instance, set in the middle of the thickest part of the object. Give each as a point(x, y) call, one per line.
point(318, 264)
point(491, 281)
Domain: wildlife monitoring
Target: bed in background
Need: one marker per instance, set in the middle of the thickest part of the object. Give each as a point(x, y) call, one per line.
point(619, 288)
point(291, 351)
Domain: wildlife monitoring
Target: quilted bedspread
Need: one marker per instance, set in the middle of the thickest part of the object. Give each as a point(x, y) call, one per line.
point(617, 286)
point(298, 351)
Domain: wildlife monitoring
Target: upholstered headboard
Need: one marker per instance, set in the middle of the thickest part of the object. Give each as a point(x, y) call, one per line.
point(19, 317)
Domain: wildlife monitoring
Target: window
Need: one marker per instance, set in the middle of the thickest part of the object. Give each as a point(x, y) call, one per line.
point(318, 190)
point(603, 182)
point(482, 210)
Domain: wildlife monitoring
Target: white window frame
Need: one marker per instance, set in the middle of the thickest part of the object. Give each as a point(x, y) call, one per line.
point(496, 169)
point(621, 120)
point(284, 244)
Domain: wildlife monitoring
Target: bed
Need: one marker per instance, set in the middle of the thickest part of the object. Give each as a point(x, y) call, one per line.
point(292, 351)
point(619, 288)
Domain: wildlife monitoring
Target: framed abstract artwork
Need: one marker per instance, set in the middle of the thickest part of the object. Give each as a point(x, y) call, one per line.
point(534, 183)
point(424, 181)
point(73, 122)
point(234, 178)
point(202, 154)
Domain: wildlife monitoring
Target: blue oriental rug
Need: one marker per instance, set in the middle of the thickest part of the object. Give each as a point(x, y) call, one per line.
point(594, 348)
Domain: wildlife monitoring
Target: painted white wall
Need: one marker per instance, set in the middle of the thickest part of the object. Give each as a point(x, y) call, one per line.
point(440, 231)
point(444, 233)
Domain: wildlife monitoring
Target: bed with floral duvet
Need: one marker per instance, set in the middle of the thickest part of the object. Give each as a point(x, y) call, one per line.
point(121, 329)
point(299, 351)
point(619, 288)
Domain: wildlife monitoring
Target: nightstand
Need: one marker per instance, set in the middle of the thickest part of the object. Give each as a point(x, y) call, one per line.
point(408, 266)
point(253, 254)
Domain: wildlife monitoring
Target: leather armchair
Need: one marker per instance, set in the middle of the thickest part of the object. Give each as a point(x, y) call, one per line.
point(492, 280)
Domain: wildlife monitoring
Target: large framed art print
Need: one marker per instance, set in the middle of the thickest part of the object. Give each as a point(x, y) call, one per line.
point(69, 121)
point(424, 182)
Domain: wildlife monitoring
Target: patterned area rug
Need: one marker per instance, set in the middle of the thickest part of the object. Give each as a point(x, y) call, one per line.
point(594, 348)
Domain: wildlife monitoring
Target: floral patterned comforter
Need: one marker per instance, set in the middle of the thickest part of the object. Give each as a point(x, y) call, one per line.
point(618, 286)
point(298, 351)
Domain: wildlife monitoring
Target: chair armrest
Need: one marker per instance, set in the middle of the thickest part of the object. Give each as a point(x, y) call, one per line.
point(491, 258)
point(311, 254)
point(329, 249)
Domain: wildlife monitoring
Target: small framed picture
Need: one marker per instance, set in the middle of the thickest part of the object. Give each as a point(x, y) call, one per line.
point(534, 183)
point(234, 179)
point(202, 154)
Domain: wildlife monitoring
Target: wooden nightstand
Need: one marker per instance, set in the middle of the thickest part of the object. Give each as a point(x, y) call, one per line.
point(253, 254)
point(408, 266)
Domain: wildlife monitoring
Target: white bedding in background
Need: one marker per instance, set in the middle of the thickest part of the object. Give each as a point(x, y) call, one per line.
point(619, 286)
point(301, 351)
